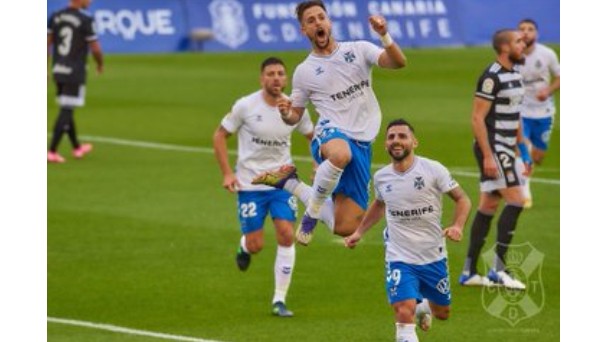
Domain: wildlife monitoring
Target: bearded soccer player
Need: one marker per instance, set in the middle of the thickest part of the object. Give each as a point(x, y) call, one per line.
point(336, 78)
point(264, 143)
point(541, 80)
point(409, 194)
point(498, 137)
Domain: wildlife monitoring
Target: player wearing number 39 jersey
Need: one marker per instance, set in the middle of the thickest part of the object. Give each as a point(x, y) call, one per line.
point(408, 194)
point(71, 34)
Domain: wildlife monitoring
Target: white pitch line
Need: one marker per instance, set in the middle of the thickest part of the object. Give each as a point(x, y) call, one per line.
point(123, 330)
point(208, 150)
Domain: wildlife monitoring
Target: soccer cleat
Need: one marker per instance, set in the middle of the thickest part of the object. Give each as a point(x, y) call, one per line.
point(503, 278)
point(243, 259)
point(279, 309)
point(54, 157)
point(424, 320)
point(83, 149)
point(305, 229)
point(277, 178)
point(474, 280)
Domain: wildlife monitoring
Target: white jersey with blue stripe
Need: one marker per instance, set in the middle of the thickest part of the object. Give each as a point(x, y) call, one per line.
point(413, 202)
point(340, 88)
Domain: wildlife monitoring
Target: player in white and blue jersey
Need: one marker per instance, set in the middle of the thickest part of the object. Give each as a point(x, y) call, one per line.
point(336, 77)
point(541, 79)
point(264, 143)
point(409, 194)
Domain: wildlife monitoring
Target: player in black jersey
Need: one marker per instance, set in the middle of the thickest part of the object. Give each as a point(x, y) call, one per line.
point(71, 34)
point(497, 130)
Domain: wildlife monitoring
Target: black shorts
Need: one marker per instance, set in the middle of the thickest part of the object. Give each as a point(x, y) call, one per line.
point(70, 94)
point(509, 170)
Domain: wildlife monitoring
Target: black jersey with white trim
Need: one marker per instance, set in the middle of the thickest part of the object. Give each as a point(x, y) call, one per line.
point(505, 89)
point(72, 31)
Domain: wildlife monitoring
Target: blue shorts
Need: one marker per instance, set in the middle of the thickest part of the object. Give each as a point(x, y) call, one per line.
point(407, 281)
point(253, 207)
point(538, 131)
point(354, 182)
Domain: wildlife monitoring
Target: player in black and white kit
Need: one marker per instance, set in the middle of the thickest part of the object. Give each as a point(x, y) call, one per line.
point(71, 34)
point(497, 129)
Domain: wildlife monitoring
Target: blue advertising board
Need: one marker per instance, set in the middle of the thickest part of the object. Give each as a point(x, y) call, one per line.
point(262, 25)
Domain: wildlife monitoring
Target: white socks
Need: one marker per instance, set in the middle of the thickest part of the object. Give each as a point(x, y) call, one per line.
point(406, 332)
point(325, 182)
point(283, 268)
point(423, 307)
point(304, 193)
point(244, 244)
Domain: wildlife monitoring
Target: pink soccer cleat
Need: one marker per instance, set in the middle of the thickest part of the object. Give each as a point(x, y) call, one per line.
point(54, 157)
point(82, 150)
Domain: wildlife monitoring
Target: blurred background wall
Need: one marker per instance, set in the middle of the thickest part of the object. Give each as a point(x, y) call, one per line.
point(149, 26)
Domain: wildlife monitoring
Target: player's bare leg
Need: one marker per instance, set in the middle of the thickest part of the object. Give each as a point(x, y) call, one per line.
point(441, 312)
point(251, 243)
point(348, 215)
point(405, 314)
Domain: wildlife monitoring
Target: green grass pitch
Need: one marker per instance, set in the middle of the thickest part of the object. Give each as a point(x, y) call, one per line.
point(142, 235)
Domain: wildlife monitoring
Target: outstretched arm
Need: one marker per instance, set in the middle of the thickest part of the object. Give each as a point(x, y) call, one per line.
point(392, 57)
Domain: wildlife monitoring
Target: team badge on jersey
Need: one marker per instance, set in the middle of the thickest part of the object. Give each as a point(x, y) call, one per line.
point(389, 188)
point(349, 57)
point(419, 183)
point(487, 85)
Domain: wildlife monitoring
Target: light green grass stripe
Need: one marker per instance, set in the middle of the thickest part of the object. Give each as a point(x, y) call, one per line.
point(209, 150)
point(123, 330)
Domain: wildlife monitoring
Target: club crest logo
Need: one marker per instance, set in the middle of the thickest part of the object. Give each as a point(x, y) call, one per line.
point(229, 25)
point(524, 263)
point(419, 183)
point(349, 57)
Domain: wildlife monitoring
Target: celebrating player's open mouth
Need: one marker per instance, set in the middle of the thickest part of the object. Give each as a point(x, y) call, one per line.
point(322, 38)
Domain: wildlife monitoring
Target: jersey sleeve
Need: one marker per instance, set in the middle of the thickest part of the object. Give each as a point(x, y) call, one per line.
point(487, 86)
point(299, 94)
point(377, 189)
point(370, 52)
point(90, 34)
point(305, 125)
point(554, 64)
point(234, 120)
point(444, 180)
